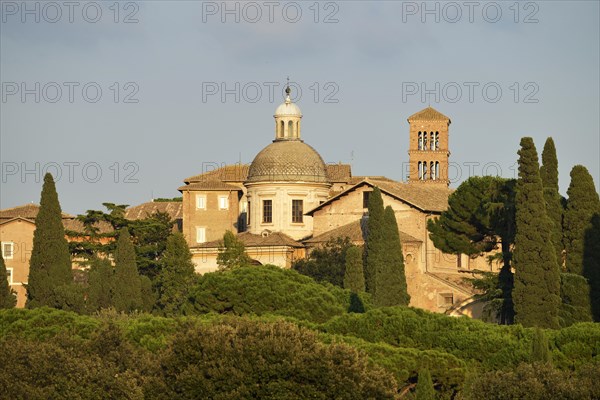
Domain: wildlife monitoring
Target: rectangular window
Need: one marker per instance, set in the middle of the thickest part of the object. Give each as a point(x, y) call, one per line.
point(9, 275)
point(267, 211)
point(248, 213)
point(366, 199)
point(297, 211)
point(223, 202)
point(200, 234)
point(446, 299)
point(8, 250)
point(201, 202)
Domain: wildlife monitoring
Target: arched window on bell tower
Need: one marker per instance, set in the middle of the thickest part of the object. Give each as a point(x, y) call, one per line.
point(420, 140)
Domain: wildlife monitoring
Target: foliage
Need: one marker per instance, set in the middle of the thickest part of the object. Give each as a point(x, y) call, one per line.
point(127, 287)
point(241, 359)
point(540, 352)
point(575, 295)
point(425, 390)
point(354, 275)
point(386, 280)
point(591, 264)
point(582, 204)
point(267, 289)
point(375, 246)
point(535, 382)
point(176, 276)
point(149, 235)
point(8, 297)
point(168, 200)
point(392, 282)
point(536, 295)
point(356, 304)
point(100, 290)
point(326, 263)
point(50, 262)
point(481, 218)
point(232, 253)
point(554, 209)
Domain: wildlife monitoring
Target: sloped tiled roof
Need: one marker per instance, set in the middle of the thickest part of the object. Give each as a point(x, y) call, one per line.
point(28, 211)
point(355, 232)
point(426, 197)
point(428, 114)
point(239, 173)
point(226, 173)
point(209, 185)
point(339, 172)
point(173, 208)
point(77, 226)
point(252, 240)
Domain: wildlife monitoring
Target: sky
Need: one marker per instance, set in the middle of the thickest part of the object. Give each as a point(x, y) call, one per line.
point(121, 101)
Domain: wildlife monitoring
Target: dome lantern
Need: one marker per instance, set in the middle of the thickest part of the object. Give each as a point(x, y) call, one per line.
point(287, 119)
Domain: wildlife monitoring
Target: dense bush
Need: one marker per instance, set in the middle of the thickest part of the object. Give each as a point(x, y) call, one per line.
point(492, 345)
point(268, 290)
point(243, 359)
point(535, 382)
point(326, 263)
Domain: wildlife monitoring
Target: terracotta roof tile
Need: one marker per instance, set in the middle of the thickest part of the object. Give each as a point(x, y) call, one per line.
point(355, 232)
point(227, 173)
point(252, 240)
point(28, 211)
point(77, 226)
point(173, 208)
point(428, 114)
point(339, 172)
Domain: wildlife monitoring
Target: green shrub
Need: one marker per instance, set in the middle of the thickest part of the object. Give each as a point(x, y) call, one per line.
point(268, 289)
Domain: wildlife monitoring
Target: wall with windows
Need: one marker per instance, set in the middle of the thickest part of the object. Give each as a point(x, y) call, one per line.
point(16, 237)
point(207, 215)
point(280, 207)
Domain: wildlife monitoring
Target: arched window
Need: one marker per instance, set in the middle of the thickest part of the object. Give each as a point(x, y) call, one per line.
point(420, 170)
point(290, 129)
point(424, 170)
point(437, 169)
point(432, 170)
point(281, 129)
point(437, 140)
point(420, 141)
point(298, 128)
point(424, 140)
point(431, 141)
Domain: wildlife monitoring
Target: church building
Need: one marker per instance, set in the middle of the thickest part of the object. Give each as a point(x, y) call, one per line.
point(288, 201)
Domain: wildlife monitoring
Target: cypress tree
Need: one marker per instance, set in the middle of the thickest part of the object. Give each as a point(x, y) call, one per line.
point(582, 204)
point(575, 295)
point(176, 276)
point(591, 264)
point(425, 389)
point(7, 295)
point(554, 209)
point(393, 279)
point(127, 287)
point(233, 253)
point(536, 294)
point(100, 285)
point(354, 276)
point(375, 240)
point(50, 263)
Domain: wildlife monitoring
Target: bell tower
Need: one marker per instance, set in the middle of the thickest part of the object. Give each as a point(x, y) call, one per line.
point(428, 147)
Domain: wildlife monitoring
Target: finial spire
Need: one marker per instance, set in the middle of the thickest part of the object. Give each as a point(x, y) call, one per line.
point(288, 91)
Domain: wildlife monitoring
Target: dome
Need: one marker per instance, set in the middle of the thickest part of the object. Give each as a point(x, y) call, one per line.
point(288, 109)
point(288, 161)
